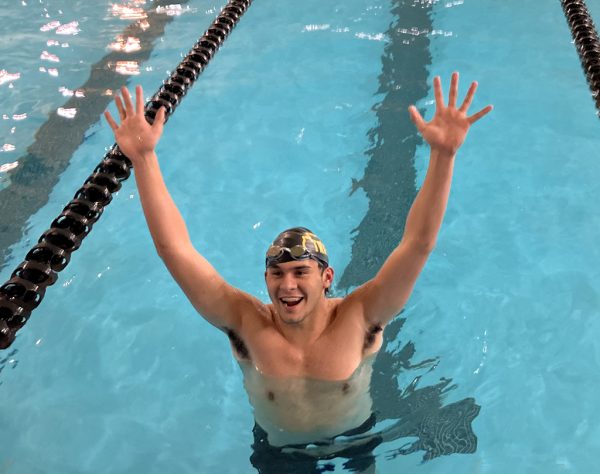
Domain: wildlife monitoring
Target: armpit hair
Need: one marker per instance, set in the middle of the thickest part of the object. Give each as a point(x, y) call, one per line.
point(371, 334)
point(237, 344)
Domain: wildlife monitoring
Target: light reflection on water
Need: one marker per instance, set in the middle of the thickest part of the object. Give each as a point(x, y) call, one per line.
point(68, 57)
point(125, 12)
point(126, 44)
point(7, 77)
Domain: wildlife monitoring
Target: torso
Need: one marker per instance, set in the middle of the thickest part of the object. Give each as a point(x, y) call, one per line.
point(300, 410)
point(319, 390)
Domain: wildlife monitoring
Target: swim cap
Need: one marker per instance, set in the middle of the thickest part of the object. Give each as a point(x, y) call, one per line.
point(297, 243)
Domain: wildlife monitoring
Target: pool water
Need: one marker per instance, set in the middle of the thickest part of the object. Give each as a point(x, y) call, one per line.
point(301, 120)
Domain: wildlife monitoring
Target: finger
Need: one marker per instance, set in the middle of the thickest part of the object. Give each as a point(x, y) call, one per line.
point(453, 90)
point(139, 100)
point(416, 117)
point(111, 121)
point(439, 95)
point(159, 119)
point(469, 98)
point(127, 99)
point(486, 110)
point(120, 108)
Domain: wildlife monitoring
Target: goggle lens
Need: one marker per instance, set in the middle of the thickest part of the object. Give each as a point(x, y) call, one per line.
point(297, 251)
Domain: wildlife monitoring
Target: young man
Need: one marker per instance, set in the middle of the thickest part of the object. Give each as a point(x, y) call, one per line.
point(302, 355)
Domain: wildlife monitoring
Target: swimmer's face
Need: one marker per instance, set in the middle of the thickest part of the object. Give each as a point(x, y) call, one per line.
point(296, 288)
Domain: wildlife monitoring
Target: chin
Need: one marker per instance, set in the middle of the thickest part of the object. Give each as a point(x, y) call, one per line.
point(291, 318)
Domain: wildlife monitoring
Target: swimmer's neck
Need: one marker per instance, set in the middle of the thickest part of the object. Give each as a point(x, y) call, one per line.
point(304, 333)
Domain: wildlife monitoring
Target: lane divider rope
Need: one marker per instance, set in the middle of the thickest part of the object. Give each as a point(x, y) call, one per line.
point(26, 288)
point(586, 41)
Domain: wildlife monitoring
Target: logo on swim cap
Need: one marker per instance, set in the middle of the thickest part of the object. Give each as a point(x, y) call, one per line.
point(297, 243)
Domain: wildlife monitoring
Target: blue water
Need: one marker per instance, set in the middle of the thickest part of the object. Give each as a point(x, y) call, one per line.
point(115, 372)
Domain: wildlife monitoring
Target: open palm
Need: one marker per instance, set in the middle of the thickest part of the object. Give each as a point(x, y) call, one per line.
point(447, 130)
point(135, 136)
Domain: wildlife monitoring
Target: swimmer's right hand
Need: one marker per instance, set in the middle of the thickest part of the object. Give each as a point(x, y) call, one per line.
point(136, 138)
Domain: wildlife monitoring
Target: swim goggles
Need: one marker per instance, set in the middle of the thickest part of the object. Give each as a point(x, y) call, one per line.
point(297, 252)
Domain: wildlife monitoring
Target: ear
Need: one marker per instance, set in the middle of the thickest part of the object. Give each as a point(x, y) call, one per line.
point(328, 277)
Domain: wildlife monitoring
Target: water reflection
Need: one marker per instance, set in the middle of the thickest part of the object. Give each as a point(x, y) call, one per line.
point(69, 113)
point(125, 12)
point(127, 45)
point(127, 68)
point(52, 71)
point(172, 10)
point(50, 26)
point(7, 77)
point(415, 412)
point(66, 92)
point(8, 361)
point(8, 166)
point(68, 29)
point(71, 28)
point(46, 56)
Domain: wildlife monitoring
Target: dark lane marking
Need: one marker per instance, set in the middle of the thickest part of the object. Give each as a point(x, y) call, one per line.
point(389, 182)
point(389, 178)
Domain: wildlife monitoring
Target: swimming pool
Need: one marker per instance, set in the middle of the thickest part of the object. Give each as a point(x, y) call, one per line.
point(115, 372)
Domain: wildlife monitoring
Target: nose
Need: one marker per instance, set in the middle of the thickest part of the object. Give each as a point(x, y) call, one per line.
point(289, 282)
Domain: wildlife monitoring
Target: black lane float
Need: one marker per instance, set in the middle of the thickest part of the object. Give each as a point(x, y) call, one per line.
point(26, 288)
point(586, 41)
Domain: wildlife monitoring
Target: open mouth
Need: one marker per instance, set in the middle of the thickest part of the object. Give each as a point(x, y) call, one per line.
point(290, 302)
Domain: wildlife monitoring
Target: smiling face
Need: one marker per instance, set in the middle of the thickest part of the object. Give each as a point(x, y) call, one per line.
point(297, 288)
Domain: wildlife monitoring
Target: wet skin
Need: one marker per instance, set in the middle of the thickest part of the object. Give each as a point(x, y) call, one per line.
point(301, 354)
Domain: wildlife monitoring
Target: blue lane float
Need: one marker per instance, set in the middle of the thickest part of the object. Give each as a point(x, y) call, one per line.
point(587, 43)
point(26, 288)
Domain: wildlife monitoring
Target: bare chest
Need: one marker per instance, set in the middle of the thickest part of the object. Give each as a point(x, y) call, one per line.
point(333, 357)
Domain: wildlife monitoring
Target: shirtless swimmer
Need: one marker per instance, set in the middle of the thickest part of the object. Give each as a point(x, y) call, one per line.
point(302, 336)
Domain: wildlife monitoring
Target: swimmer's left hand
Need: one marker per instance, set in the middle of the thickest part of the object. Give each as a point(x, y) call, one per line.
point(136, 138)
point(447, 130)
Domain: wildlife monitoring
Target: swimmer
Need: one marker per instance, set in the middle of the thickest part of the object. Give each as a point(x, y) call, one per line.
point(306, 358)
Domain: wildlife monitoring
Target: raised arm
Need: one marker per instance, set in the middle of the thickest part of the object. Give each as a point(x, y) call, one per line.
point(220, 303)
point(386, 294)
